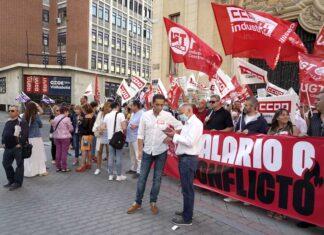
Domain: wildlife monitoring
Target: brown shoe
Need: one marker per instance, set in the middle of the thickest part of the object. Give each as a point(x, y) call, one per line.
point(134, 208)
point(154, 208)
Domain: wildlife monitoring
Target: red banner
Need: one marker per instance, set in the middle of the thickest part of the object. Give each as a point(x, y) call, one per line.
point(319, 44)
point(253, 34)
point(36, 84)
point(189, 49)
point(311, 77)
point(278, 173)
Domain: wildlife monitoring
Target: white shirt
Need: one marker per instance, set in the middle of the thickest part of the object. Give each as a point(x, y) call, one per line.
point(190, 139)
point(150, 130)
point(300, 123)
point(110, 120)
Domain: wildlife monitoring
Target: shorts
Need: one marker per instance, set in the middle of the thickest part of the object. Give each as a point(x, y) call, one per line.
point(86, 142)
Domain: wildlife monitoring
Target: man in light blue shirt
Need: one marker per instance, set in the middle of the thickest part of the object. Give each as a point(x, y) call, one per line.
point(131, 138)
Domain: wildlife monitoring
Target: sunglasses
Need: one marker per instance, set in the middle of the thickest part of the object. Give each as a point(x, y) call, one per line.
point(11, 111)
point(212, 102)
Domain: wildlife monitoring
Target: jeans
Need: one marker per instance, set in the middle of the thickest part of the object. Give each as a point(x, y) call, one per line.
point(187, 167)
point(147, 161)
point(93, 146)
point(53, 150)
point(9, 156)
point(62, 148)
point(114, 157)
point(76, 144)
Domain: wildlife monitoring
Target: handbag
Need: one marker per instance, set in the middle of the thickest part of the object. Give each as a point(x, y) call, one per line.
point(118, 140)
point(26, 150)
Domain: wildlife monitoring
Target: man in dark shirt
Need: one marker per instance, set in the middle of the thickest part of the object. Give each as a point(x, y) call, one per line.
point(14, 136)
point(218, 118)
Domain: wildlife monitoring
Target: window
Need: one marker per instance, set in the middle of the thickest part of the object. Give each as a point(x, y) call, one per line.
point(134, 49)
point(130, 25)
point(135, 6)
point(118, 44)
point(123, 67)
point(134, 70)
point(45, 39)
point(3, 85)
point(106, 16)
point(112, 67)
point(149, 13)
point(61, 39)
point(120, 2)
point(129, 69)
point(125, 3)
point(118, 67)
point(113, 42)
point(144, 52)
point(114, 18)
point(105, 66)
point(46, 16)
point(147, 53)
point(129, 49)
point(131, 4)
point(93, 62)
point(100, 12)
point(134, 28)
point(100, 38)
point(119, 19)
point(124, 22)
point(145, 11)
point(99, 64)
point(106, 40)
point(138, 71)
point(94, 9)
point(124, 45)
point(139, 29)
point(140, 7)
point(62, 13)
point(94, 36)
point(139, 51)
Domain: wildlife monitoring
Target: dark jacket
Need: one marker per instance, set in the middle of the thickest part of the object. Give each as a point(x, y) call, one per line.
point(86, 126)
point(8, 138)
point(258, 126)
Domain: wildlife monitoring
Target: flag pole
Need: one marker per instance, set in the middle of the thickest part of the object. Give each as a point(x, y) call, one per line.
point(310, 107)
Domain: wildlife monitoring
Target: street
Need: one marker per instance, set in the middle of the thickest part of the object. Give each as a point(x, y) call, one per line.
point(75, 203)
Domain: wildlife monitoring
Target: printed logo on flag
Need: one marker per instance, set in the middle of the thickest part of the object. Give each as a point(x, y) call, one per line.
point(251, 74)
point(125, 94)
point(273, 106)
point(179, 40)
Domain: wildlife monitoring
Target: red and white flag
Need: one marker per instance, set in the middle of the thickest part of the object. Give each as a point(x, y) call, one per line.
point(125, 92)
point(192, 83)
point(148, 96)
point(274, 90)
point(319, 44)
point(189, 49)
point(311, 77)
point(88, 90)
point(239, 92)
point(249, 73)
point(253, 34)
point(137, 83)
point(174, 93)
point(223, 83)
point(161, 89)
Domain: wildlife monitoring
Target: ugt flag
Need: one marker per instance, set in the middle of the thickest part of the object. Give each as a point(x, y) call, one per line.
point(189, 49)
point(319, 44)
point(311, 77)
point(253, 34)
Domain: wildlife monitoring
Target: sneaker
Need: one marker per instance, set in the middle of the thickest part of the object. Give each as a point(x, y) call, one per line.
point(154, 208)
point(14, 186)
point(7, 185)
point(246, 204)
point(111, 177)
point(135, 176)
point(180, 222)
point(130, 172)
point(53, 162)
point(75, 162)
point(180, 213)
point(121, 177)
point(135, 207)
point(228, 199)
point(97, 172)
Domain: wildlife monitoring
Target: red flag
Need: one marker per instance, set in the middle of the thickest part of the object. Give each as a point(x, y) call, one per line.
point(96, 96)
point(240, 92)
point(189, 49)
point(252, 34)
point(311, 77)
point(174, 93)
point(319, 44)
point(148, 95)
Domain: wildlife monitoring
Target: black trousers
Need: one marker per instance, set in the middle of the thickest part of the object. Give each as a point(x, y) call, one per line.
point(9, 156)
point(53, 150)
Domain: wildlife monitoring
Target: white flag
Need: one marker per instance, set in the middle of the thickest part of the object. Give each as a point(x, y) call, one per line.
point(274, 90)
point(125, 92)
point(88, 91)
point(249, 73)
point(161, 89)
point(137, 83)
point(191, 83)
point(223, 83)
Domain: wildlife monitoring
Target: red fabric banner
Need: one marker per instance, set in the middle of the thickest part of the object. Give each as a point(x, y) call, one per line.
point(319, 44)
point(189, 49)
point(311, 77)
point(174, 93)
point(278, 173)
point(253, 34)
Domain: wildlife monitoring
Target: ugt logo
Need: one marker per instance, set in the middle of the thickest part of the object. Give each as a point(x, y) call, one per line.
point(179, 40)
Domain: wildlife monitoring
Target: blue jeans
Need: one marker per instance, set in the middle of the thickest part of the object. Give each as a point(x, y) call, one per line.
point(93, 146)
point(114, 157)
point(187, 166)
point(147, 161)
point(76, 144)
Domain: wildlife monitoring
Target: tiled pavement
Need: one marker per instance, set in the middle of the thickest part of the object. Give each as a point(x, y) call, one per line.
point(81, 203)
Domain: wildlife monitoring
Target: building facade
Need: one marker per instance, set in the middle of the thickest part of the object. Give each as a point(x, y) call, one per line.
point(111, 37)
point(197, 16)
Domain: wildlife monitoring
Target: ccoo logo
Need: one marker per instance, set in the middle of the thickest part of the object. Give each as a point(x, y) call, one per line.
point(179, 40)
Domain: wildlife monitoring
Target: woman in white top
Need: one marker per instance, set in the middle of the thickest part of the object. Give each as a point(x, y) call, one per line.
point(100, 131)
point(115, 154)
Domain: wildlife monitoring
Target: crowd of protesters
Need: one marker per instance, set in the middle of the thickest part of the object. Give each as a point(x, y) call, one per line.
point(88, 128)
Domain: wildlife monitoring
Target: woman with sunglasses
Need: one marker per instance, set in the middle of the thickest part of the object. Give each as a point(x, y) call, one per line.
point(56, 111)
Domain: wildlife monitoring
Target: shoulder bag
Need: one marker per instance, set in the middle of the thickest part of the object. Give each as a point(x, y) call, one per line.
point(118, 140)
